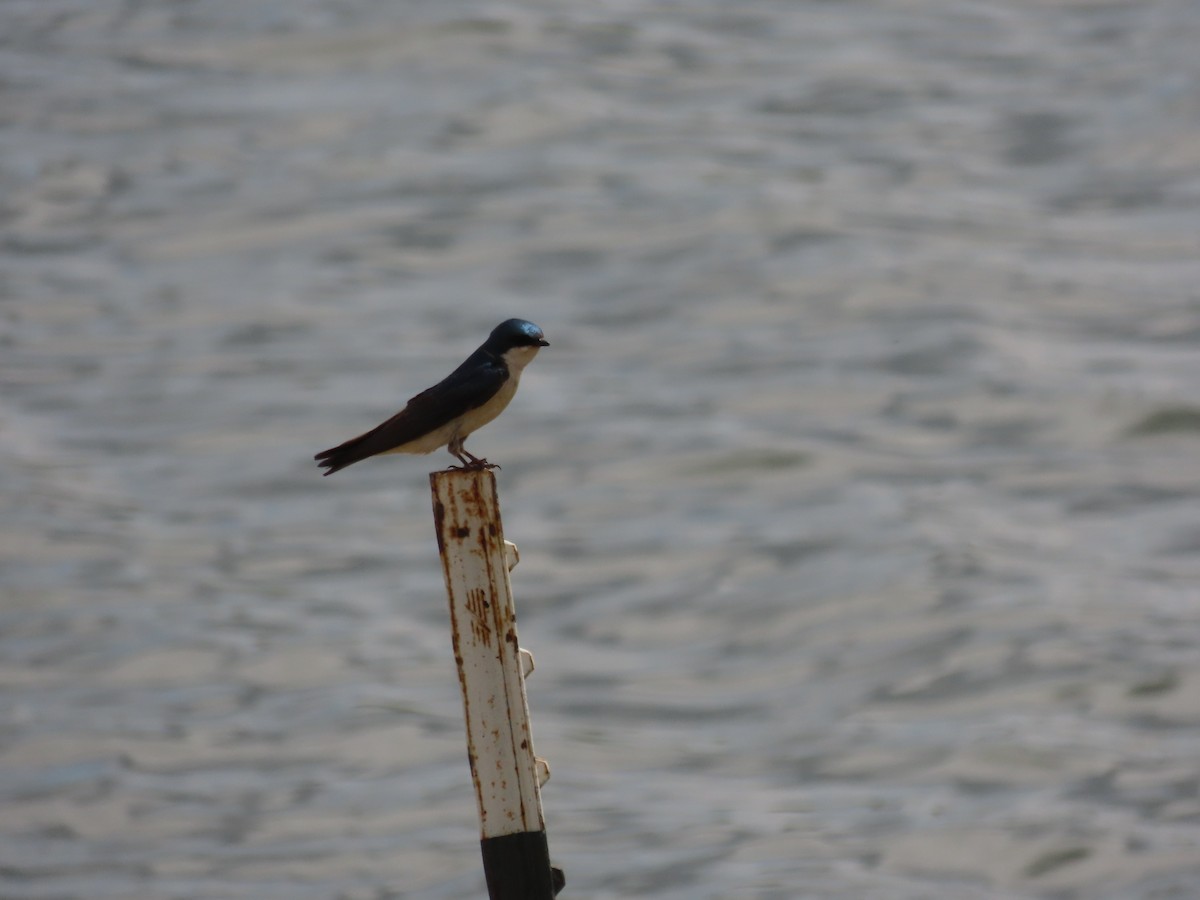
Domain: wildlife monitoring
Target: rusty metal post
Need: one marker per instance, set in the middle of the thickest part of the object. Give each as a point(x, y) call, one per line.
point(491, 670)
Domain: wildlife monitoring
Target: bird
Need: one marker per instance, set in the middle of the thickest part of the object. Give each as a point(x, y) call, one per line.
point(448, 413)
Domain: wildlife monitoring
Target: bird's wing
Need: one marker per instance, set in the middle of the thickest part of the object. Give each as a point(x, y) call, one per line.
point(470, 385)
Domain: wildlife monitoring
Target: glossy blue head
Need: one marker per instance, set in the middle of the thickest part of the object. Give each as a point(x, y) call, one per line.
point(515, 333)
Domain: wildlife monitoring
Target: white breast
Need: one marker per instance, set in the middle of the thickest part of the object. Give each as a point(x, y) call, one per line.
point(516, 359)
point(481, 415)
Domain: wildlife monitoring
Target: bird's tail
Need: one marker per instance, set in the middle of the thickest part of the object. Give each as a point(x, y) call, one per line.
point(337, 458)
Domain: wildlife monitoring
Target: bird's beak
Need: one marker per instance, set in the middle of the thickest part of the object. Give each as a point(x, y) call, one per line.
point(543, 343)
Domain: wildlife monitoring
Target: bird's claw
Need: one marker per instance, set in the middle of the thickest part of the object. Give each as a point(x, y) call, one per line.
point(475, 465)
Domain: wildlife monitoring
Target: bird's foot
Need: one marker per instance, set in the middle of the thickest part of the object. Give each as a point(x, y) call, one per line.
point(471, 463)
point(480, 465)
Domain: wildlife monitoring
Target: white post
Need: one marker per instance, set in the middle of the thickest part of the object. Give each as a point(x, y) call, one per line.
point(491, 670)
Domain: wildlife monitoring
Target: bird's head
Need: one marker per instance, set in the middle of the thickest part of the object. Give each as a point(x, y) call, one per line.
point(517, 340)
point(517, 333)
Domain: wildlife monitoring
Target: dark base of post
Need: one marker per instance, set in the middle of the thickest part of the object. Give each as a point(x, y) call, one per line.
point(517, 867)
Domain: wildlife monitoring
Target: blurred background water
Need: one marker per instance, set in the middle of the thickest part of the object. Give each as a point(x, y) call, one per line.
point(856, 494)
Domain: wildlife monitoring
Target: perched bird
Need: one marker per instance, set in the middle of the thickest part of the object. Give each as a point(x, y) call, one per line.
point(446, 414)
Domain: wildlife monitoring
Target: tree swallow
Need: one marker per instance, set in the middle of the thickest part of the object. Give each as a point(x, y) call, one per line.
point(446, 414)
